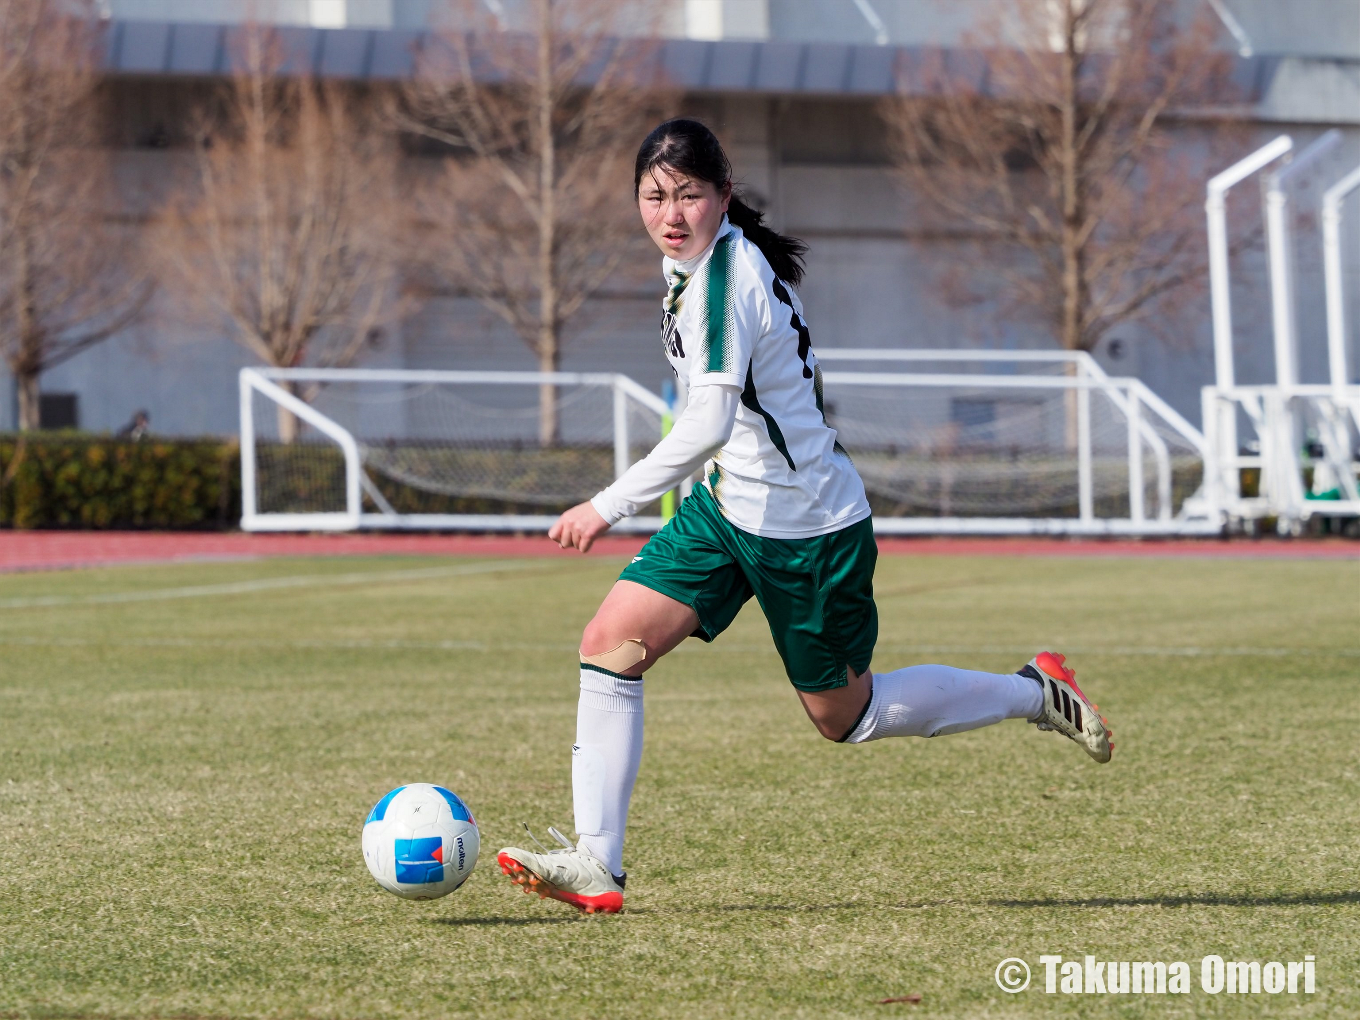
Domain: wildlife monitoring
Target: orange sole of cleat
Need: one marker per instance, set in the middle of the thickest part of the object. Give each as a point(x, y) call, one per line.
point(609, 903)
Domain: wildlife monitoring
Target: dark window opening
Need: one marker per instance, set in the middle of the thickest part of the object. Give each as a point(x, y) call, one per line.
point(58, 411)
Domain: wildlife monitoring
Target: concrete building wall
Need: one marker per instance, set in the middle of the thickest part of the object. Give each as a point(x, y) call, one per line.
point(872, 282)
point(819, 167)
point(1318, 28)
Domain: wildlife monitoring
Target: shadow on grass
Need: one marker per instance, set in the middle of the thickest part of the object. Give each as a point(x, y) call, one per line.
point(798, 908)
point(513, 922)
point(1309, 899)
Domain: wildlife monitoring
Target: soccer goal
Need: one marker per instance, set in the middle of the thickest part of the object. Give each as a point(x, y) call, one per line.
point(343, 449)
point(967, 442)
point(1014, 442)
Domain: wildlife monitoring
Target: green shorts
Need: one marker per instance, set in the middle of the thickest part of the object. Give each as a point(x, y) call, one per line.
point(817, 593)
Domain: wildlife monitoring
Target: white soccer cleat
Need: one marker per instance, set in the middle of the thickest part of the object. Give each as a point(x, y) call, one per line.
point(1066, 709)
point(569, 875)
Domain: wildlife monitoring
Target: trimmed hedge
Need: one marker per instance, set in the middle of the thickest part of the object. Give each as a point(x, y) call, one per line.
point(75, 480)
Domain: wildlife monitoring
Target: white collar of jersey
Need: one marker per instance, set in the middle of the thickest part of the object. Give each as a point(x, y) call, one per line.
point(690, 265)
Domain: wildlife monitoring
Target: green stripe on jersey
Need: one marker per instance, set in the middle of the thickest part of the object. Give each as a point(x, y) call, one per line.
point(719, 292)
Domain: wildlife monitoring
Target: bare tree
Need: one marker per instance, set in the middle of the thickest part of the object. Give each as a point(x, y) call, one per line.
point(532, 207)
point(1063, 152)
point(67, 280)
point(284, 228)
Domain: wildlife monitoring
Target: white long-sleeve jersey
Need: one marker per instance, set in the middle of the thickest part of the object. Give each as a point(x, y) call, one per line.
point(701, 429)
point(736, 334)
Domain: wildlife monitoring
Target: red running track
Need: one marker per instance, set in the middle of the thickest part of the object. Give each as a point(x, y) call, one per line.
point(57, 550)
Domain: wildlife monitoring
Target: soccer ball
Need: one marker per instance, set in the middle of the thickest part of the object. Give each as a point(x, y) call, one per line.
point(420, 842)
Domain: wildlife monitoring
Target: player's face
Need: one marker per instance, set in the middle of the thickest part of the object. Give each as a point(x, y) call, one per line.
point(682, 214)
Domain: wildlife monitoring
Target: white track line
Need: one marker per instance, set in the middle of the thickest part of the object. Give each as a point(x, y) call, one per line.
point(401, 644)
point(266, 584)
point(341, 644)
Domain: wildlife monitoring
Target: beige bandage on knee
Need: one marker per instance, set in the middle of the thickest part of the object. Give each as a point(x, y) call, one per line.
point(620, 657)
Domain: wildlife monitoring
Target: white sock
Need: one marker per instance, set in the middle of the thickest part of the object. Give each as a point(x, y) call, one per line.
point(930, 701)
point(604, 762)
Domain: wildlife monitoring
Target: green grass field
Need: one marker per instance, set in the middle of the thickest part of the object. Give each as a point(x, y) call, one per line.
point(187, 754)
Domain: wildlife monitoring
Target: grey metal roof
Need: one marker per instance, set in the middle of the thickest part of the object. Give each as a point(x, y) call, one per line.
point(195, 49)
point(167, 48)
point(774, 67)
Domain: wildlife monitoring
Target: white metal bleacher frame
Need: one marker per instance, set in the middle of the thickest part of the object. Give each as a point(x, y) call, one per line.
point(1276, 410)
point(357, 483)
point(1130, 397)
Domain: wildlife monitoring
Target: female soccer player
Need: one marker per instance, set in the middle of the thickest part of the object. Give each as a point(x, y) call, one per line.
point(781, 515)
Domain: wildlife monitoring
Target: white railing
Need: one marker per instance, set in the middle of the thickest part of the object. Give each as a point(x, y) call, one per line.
point(1279, 249)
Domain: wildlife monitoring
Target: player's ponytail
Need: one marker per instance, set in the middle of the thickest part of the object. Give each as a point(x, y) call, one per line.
point(688, 147)
point(785, 254)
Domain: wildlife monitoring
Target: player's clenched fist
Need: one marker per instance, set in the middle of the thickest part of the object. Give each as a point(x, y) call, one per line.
point(578, 527)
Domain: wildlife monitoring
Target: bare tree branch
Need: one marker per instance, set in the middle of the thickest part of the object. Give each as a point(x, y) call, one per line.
point(284, 229)
point(531, 206)
point(1066, 154)
point(69, 274)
